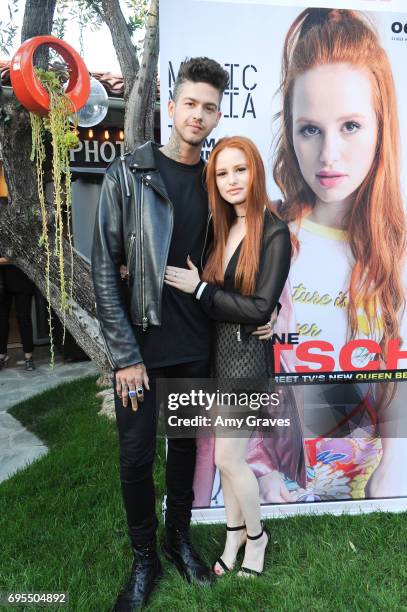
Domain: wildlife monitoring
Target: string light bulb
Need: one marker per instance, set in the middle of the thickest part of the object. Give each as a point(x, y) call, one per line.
point(90, 133)
point(121, 135)
point(107, 135)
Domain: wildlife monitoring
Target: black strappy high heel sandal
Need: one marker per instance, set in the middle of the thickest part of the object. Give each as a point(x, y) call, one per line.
point(219, 560)
point(247, 570)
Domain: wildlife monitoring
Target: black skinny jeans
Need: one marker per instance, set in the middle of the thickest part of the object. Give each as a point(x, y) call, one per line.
point(137, 440)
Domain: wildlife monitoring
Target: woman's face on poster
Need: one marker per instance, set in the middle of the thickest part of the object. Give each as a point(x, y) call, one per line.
point(334, 129)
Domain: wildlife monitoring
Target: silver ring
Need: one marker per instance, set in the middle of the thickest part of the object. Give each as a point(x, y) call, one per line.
point(139, 391)
point(269, 324)
point(175, 273)
point(132, 393)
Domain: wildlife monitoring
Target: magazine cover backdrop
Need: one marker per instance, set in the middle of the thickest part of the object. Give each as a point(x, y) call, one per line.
point(361, 471)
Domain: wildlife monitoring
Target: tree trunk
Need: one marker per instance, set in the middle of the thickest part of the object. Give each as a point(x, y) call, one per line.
point(20, 221)
point(126, 51)
point(20, 229)
point(38, 18)
point(139, 119)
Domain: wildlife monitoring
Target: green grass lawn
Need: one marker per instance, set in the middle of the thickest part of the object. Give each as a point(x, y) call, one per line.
point(63, 529)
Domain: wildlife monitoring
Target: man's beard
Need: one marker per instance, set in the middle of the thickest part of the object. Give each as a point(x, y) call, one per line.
point(193, 142)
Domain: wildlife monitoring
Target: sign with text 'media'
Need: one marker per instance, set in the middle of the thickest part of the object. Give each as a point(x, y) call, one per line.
point(340, 339)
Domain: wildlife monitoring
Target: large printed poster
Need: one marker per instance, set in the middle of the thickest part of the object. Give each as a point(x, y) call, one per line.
point(339, 343)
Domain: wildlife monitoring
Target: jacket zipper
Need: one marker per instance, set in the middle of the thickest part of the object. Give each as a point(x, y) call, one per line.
point(238, 334)
point(143, 308)
point(126, 182)
point(129, 254)
point(172, 225)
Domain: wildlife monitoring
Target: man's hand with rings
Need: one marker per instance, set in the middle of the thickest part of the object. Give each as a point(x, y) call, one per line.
point(130, 383)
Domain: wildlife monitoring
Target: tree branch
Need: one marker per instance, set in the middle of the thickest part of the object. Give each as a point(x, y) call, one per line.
point(137, 126)
point(126, 51)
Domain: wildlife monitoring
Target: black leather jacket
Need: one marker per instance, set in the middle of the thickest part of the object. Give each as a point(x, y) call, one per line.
point(134, 227)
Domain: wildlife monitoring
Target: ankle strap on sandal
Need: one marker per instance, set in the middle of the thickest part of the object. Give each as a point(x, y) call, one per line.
point(235, 528)
point(256, 537)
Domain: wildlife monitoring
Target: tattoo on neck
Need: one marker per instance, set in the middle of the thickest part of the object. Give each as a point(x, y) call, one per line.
point(173, 148)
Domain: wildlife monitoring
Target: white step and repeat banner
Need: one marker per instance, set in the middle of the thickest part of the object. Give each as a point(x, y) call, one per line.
point(351, 473)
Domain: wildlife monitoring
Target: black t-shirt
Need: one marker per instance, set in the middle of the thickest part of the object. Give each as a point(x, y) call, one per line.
point(185, 331)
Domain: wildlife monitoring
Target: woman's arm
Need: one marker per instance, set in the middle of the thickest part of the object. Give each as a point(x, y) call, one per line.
point(254, 309)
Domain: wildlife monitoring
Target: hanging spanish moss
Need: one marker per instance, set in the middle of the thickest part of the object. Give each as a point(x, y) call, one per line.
point(63, 137)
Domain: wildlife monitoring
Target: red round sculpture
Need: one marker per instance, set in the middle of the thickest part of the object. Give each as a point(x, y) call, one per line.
point(27, 86)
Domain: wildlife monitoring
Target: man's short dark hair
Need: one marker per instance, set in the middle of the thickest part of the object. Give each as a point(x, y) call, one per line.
point(201, 70)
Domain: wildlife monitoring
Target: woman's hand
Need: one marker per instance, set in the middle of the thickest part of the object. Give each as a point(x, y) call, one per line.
point(123, 272)
point(181, 278)
point(273, 489)
point(264, 332)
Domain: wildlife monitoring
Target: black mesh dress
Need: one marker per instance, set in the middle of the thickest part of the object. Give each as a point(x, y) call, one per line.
point(238, 354)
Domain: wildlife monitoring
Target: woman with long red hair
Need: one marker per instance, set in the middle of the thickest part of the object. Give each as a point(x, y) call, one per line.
point(338, 167)
point(240, 288)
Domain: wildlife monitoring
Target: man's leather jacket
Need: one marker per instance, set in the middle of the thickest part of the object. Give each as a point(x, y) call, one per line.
point(134, 227)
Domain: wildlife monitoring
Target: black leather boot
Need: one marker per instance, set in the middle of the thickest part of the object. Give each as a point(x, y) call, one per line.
point(145, 574)
point(178, 549)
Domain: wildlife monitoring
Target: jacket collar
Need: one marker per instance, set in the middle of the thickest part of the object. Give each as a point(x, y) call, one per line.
point(142, 158)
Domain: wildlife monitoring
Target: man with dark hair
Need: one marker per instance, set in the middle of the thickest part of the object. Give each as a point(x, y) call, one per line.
point(200, 70)
point(153, 212)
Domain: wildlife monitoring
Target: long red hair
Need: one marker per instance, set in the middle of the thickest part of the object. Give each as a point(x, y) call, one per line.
point(224, 216)
point(376, 225)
